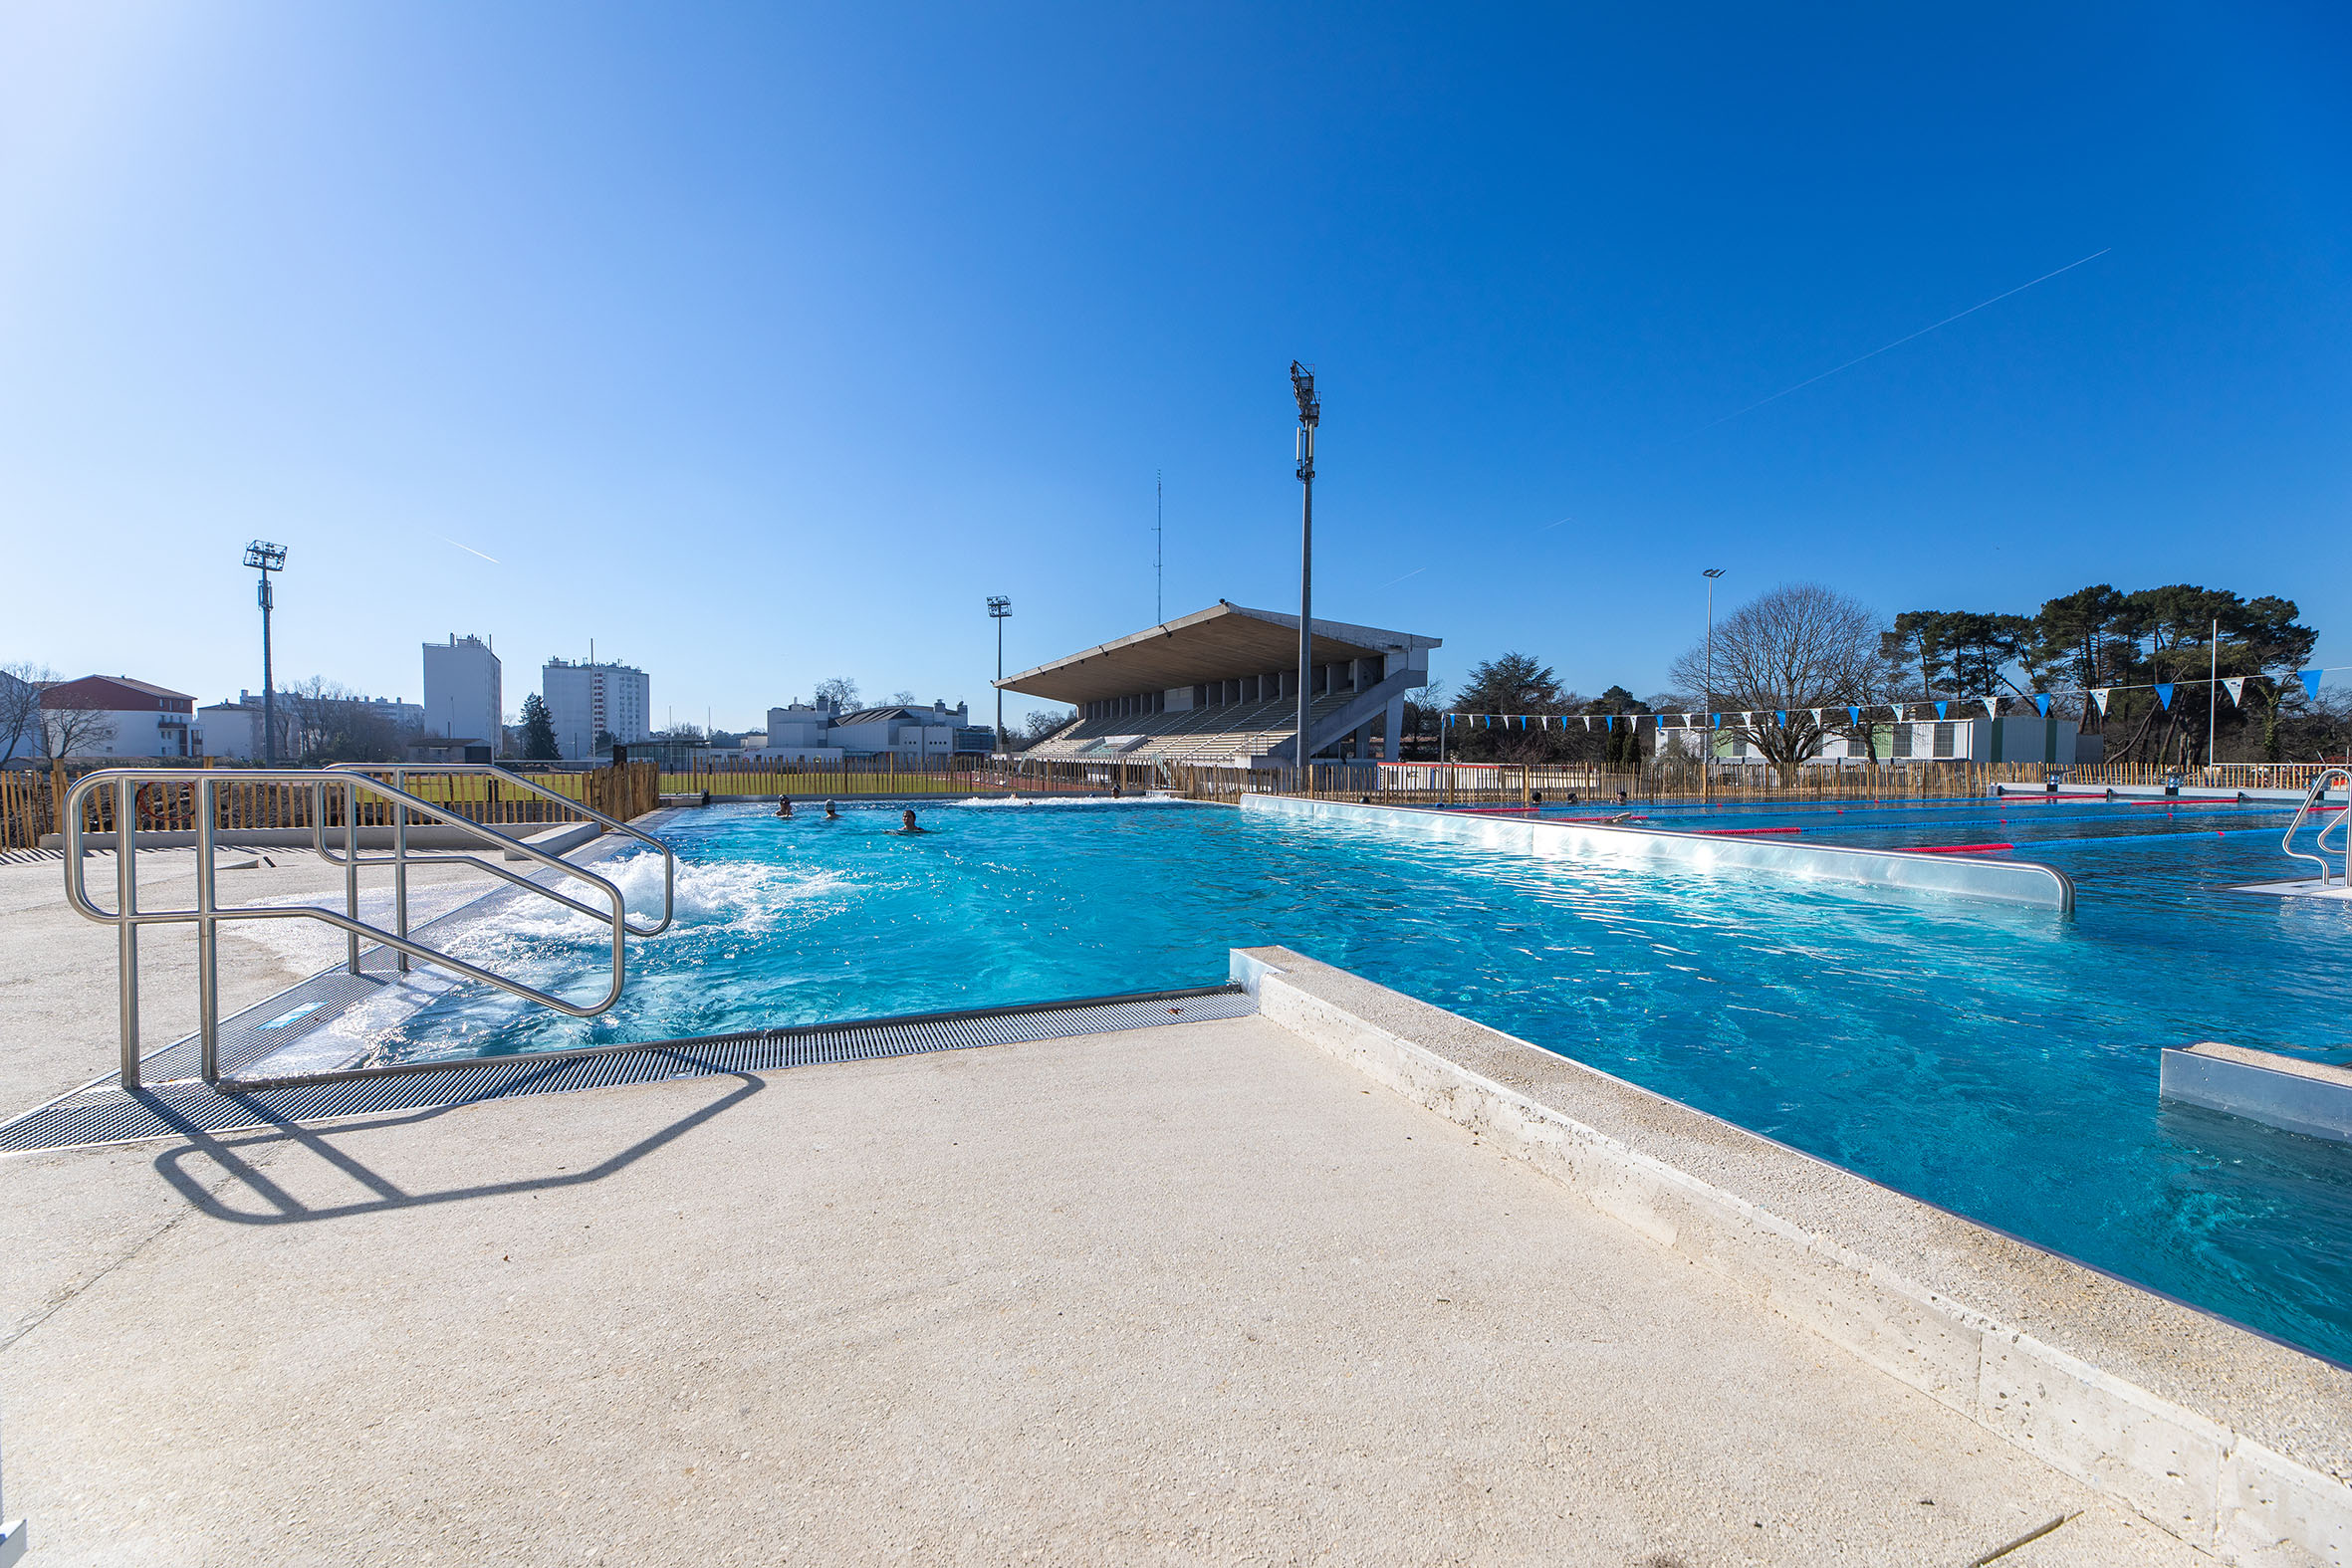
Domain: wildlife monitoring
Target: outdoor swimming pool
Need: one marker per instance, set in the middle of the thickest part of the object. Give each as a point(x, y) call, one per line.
point(1998, 1062)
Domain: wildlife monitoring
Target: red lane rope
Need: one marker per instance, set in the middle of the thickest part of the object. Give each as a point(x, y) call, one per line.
point(1747, 832)
point(1958, 849)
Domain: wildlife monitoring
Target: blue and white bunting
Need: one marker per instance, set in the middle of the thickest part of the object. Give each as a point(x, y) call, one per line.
point(2164, 693)
point(2041, 703)
point(2235, 686)
point(2311, 680)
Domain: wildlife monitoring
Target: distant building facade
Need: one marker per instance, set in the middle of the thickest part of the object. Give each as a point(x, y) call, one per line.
point(129, 718)
point(823, 731)
point(2016, 738)
point(587, 700)
point(463, 689)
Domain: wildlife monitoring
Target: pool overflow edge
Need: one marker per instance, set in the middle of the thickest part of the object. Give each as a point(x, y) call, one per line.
point(2219, 1435)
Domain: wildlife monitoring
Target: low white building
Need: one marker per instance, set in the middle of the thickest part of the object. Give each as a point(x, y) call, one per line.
point(823, 731)
point(2023, 737)
point(120, 717)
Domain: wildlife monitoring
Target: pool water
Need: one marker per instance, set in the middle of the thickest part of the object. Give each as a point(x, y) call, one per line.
point(1998, 1062)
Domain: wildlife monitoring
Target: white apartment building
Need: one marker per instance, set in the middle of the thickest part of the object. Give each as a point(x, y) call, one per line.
point(463, 693)
point(2013, 739)
point(117, 716)
point(585, 700)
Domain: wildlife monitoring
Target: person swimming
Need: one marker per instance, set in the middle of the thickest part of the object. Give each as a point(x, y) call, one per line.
point(907, 823)
point(831, 812)
point(783, 805)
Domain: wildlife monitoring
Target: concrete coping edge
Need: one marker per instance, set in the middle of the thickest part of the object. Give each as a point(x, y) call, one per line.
point(2232, 1441)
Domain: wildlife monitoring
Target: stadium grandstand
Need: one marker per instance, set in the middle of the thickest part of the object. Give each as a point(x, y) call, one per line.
point(1220, 688)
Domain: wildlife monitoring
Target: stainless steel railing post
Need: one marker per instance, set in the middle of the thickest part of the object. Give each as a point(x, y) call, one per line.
point(126, 933)
point(351, 868)
point(207, 939)
point(401, 866)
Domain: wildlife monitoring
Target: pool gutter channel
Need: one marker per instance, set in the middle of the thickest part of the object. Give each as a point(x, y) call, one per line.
point(2023, 882)
point(102, 1114)
point(2232, 1441)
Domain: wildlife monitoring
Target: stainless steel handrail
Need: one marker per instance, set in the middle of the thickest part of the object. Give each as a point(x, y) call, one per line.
point(400, 858)
point(127, 917)
point(2312, 797)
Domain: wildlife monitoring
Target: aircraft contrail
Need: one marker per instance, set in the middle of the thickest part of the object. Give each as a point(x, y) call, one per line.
point(1393, 582)
point(1900, 342)
point(469, 549)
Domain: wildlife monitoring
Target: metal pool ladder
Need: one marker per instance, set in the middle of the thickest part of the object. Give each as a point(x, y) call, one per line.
point(351, 781)
point(2341, 826)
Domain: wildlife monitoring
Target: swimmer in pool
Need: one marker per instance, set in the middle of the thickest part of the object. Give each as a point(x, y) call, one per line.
point(783, 805)
point(907, 823)
point(831, 814)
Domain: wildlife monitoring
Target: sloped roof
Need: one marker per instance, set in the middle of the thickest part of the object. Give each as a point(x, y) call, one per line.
point(1214, 645)
point(95, 688)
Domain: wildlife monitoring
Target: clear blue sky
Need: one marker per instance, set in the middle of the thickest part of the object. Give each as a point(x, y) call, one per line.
point(760, 346)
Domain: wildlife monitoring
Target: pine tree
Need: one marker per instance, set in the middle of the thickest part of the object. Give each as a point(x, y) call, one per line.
point(539, 730)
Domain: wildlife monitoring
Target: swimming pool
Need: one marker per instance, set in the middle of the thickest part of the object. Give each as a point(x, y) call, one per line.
point(1998, 1062)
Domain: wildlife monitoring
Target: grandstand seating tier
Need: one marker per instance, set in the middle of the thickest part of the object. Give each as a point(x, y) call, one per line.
point(1204, 737)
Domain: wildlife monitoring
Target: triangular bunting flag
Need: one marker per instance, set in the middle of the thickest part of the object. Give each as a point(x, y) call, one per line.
point(2099, 698)
point(1939, 709)
point(2041, 703)
point(2235, 686)
point(1611, 720)
point(1780, 715)
point(1993, 707)
point(1715, 721)
point(1853, 714)
point(2164, 693)
point(2311, 680)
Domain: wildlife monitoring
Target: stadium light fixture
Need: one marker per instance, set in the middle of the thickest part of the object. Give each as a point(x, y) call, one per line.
point(265, 557)
point(1706, 753)
point(998, 608)
point(1310, 414)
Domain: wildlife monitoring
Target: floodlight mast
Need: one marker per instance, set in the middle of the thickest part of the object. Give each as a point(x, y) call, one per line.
point(1310, 414)
point(265, 557)
point(1707, 745)
point(999, 607)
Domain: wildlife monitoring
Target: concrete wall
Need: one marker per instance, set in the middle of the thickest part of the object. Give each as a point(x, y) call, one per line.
point(2233, 1442)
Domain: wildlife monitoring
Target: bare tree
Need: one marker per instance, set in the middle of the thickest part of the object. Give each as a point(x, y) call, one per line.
point(842, 689)
point(1041, 723)
point(70, 726)
point(1780, 659)
point(321, 722)
point(20, 708)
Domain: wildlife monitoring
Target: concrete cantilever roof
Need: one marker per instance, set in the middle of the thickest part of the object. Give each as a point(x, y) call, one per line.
point(1208, 645)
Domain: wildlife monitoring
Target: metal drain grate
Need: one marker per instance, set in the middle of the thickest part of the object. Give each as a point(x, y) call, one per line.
point(101, 1115)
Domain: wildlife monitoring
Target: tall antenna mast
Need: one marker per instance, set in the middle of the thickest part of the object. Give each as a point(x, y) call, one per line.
point(1159, 566)
point(1310, 414)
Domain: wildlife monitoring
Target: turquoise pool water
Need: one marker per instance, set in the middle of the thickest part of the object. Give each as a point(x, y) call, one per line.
point(2000, 1063)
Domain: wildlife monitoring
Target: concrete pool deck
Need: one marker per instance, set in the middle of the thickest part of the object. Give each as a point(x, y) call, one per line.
point(1208, 1293)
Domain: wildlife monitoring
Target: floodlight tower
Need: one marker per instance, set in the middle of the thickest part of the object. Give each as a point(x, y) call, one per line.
point(1706, 753)
point(1310, 414)
point(998, 608)
point(265, 557)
